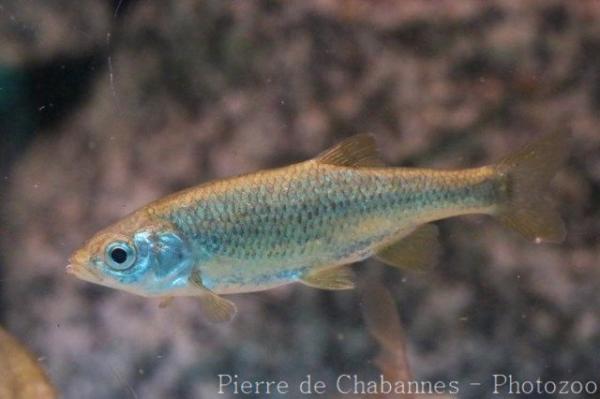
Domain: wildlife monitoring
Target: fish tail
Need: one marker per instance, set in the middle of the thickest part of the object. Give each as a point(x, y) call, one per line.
point(524, 178)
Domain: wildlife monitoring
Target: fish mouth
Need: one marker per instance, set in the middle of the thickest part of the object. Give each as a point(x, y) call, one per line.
point(83, 273)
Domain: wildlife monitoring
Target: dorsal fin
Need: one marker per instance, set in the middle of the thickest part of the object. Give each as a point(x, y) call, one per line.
point(359, 150)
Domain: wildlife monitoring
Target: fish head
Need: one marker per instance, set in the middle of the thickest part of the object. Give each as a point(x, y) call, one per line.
point(138, 254)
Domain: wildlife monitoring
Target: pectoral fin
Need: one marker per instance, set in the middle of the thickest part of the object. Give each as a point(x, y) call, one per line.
point(215, 308)
point(167, 301)
point(340, 278)
point(415, 251)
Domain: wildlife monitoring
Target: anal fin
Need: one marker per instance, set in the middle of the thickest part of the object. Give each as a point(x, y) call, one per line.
point(339, 278)
point(215, 308)
point(415, 251)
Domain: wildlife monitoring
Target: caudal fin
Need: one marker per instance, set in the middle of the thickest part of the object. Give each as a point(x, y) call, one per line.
point(525, 175)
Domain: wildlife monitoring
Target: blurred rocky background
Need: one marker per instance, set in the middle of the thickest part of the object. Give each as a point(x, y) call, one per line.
point(106, 105)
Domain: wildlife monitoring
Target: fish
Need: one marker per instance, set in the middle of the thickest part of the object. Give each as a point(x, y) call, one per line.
point(382, 320)
point(307, 222)
point(383, 323)
point(22, 375)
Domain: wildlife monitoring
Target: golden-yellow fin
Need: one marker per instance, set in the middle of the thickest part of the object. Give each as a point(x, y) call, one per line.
point(415, 251)
point(339, 278)
point(381, 316)
point(166, 302)
point(22, 374)
point(383, 322)
point(215, 308)
point(359, 150)
point(525, 176)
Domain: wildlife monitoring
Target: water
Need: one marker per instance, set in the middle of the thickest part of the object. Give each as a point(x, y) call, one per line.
point(111, 105)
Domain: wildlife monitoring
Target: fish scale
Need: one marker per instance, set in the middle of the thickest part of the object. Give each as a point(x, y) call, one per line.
point(304, 222)
point(312, 215)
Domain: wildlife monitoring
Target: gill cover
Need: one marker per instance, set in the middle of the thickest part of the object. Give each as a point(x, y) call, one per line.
point(154, 260)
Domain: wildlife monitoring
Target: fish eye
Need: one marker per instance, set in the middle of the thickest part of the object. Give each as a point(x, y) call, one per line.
point(120, 255)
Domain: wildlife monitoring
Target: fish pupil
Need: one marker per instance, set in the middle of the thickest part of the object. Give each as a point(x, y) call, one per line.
point(119, 255)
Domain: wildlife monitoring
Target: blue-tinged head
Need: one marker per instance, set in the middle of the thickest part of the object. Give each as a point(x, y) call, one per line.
point(139, 254)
